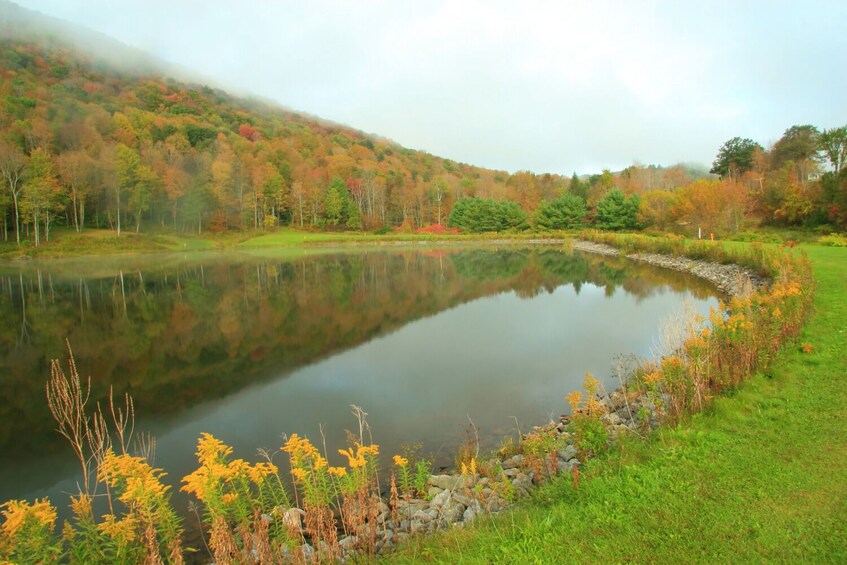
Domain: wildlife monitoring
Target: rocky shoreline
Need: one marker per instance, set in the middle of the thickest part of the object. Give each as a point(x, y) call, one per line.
point(730, 279)
point(458, 499)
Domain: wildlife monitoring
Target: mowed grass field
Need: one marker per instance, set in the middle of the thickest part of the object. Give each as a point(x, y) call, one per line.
point(760, 477)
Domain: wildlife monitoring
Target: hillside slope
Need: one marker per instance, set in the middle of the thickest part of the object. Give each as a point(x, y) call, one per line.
point(115, 140)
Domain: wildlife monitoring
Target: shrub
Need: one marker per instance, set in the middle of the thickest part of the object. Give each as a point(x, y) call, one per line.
point(834, 240)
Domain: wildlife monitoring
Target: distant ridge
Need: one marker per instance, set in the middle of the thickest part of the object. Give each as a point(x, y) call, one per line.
point(22, 24)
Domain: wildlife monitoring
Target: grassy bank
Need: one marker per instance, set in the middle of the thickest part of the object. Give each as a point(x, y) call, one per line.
point(760, 476)
point(68, 243)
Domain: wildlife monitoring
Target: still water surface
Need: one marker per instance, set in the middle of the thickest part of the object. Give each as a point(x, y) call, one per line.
point(251, 346)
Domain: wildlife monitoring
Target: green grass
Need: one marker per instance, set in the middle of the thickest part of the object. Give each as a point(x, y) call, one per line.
point(288, 237)
point(291, 237)
point(761, 476)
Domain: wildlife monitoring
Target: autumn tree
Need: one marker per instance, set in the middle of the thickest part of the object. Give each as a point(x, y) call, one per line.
point(523, 189)
point(438, 191)
point(599, 186)
point(712, 205)
point(656, 209)
point(789, 201)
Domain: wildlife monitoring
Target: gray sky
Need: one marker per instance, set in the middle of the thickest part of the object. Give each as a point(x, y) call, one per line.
point(543, 86)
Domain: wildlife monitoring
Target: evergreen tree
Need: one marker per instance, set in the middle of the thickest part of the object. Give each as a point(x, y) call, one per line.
point(617, 212)
point(565, 212)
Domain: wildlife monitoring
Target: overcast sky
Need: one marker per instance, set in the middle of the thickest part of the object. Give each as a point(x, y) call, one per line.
point(558, 86)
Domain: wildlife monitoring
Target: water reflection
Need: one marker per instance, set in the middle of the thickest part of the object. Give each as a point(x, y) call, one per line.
point(247, 347)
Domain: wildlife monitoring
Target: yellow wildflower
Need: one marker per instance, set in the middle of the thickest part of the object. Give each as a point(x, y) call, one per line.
point(19, 512)
point(210, 449)
point(81, 505)
point(319, 462)
point(590, 384)
point(400, 461)
point(260, 471)
point(123, 531)
point(238, 468)
point(574, 399)
point(337, 471)
point(353, 459)
point(652, 378)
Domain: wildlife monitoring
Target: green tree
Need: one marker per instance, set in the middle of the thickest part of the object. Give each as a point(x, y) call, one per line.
point(798, 144)
point(833, 143)
point(617, 212)
point(336, 203)
point(478, 215)
point(565, 212)
point(12, 166)
point(42, 192)
point(578, 188)
point(273, 199)
point(134, 179)
point(735, 157)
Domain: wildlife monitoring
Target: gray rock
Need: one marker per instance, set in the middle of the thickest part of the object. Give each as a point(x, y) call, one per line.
point(440, 499)
point(452, 512)
point(449, 482)
point(348, 543)
point(425, 515)
point(513, 462)
point(511, 472)
point(466, 500)
point(612, 419)
point(416, 526)
point(405, 506)
point(567, 453)
point(433, 491)
point(469, 515)
point(293, 519)
point(308, 552)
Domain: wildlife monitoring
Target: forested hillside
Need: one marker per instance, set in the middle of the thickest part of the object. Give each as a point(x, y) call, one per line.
point(87, 142)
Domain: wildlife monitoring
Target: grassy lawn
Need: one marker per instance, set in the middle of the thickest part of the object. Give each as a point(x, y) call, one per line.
point(761, 476)
point(287, 237)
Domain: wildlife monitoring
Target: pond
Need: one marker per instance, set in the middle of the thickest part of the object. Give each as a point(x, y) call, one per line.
point(250, 346)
